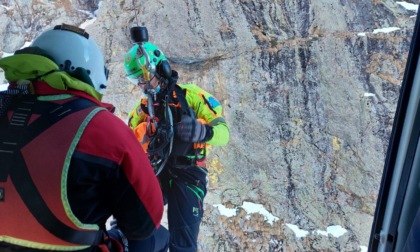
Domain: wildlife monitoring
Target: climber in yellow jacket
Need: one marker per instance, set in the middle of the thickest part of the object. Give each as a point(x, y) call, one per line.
point(176, 124)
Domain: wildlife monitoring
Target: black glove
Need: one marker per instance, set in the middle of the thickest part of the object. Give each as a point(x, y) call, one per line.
point(190, 130)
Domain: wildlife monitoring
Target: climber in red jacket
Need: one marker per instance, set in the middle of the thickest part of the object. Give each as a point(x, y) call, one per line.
point(68, 163)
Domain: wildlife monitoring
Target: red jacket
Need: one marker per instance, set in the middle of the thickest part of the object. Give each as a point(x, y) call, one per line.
point(108, 172)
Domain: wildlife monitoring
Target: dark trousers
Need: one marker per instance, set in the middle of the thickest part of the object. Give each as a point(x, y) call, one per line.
point(184, 188)
point(158, 242)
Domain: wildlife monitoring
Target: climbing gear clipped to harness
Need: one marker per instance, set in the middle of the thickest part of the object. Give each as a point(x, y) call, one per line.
point(160, 145)
point(159, 131)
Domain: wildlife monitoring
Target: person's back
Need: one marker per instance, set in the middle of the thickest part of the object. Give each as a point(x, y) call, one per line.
point(68, 163)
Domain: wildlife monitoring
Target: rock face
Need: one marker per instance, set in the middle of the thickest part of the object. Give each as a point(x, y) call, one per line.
point(309, 89)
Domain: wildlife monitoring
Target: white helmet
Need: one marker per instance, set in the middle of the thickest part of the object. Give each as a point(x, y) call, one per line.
point(71, 49)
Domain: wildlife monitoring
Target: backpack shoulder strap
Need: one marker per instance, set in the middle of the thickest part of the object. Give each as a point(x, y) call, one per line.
point(181, 93)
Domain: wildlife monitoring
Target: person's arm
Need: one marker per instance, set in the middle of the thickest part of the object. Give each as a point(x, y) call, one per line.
point(136, 115)
point(135, 217)
point(133, 189)
point(208, 109)
point(220, 132)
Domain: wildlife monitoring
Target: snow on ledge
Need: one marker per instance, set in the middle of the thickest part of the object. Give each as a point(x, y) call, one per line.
point(250, 208)
point(409, 6)
point(386, 30)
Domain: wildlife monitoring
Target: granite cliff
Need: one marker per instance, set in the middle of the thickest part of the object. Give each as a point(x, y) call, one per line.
point(309, 89)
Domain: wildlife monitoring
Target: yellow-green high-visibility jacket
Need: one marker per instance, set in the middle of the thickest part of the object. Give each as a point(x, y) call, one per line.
point(206, 108)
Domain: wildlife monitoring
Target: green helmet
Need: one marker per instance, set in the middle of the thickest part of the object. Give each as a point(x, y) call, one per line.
point(133, 66)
